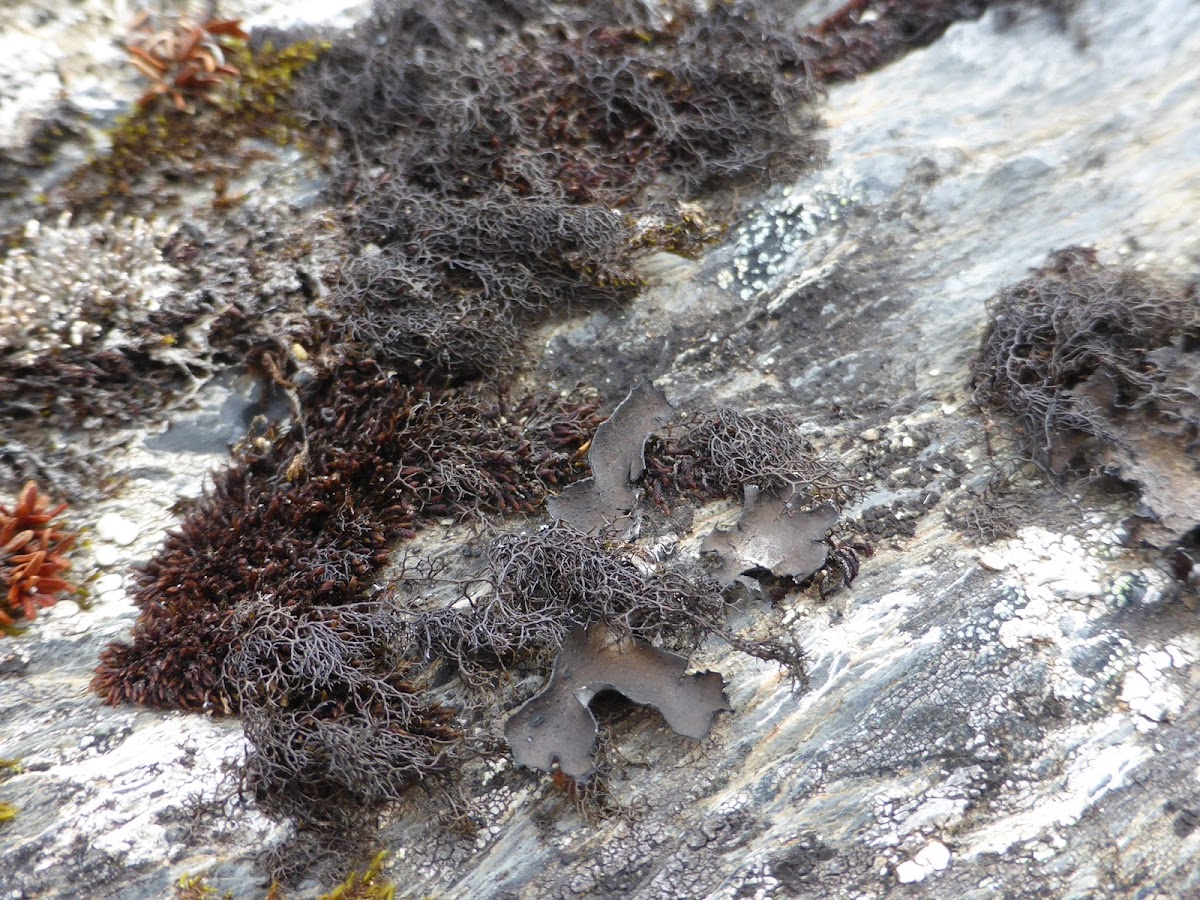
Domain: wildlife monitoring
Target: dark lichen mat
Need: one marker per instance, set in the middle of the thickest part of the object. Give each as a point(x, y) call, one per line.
point(1099, 367)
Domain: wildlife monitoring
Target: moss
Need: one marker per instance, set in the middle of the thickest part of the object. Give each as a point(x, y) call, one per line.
point(687, 231)
point(8, 812)
point(195, 887)
point(368, 886)
point(159, 309)
point(262, 96)
point(310, 520)
point(157, 138)
point(33, 547)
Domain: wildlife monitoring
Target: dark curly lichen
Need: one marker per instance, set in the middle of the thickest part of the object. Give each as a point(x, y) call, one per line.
point(864, 35)
point(717, 454)
point(996, 505)
point(335, 729)
point(309, 521)
point(490, 145)
point(580, 101)
point(447, 283)
point(1079, 346)
point(539, 586)
point(1099, 366)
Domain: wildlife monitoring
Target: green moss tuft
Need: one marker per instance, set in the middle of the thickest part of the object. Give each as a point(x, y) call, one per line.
point(194, 887)
point(207, 142)
point(369, 886)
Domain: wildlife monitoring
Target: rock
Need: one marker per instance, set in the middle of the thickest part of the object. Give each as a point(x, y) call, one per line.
point(116, 529)
point(996, 694)
point(933, 855)
point(910, 872)
point(105, 555)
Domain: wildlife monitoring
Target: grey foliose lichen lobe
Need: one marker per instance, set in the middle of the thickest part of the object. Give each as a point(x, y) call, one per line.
point(618, 461)
point(772, 534)
point(556, 729)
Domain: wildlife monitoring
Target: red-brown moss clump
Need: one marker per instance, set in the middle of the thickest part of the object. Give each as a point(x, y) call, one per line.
point(311, 519)
point(32, 561)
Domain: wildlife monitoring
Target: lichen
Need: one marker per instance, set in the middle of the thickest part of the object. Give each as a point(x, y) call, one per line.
point(499, 166)
point(505, 163)
point(1078, 343)
point(1097, 366)
point(556, 731)
point(617, 458)
point(449, 285)
point(335, 729)
point(864, 35)
point(588, 102)
point(774, 532)
point(719, 453)
point(110, 323)
point(81, 286)
point(539, 586)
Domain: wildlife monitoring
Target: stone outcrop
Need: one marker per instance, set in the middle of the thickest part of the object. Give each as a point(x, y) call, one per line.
point(983, 718)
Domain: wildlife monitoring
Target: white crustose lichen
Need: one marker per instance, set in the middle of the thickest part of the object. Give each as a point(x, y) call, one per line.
point(72, 286)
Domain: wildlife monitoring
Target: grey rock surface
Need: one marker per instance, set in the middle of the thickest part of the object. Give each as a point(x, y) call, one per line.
point(1013, 719)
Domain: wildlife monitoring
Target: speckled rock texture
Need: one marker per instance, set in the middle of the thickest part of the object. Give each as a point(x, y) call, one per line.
point(1012, 718)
